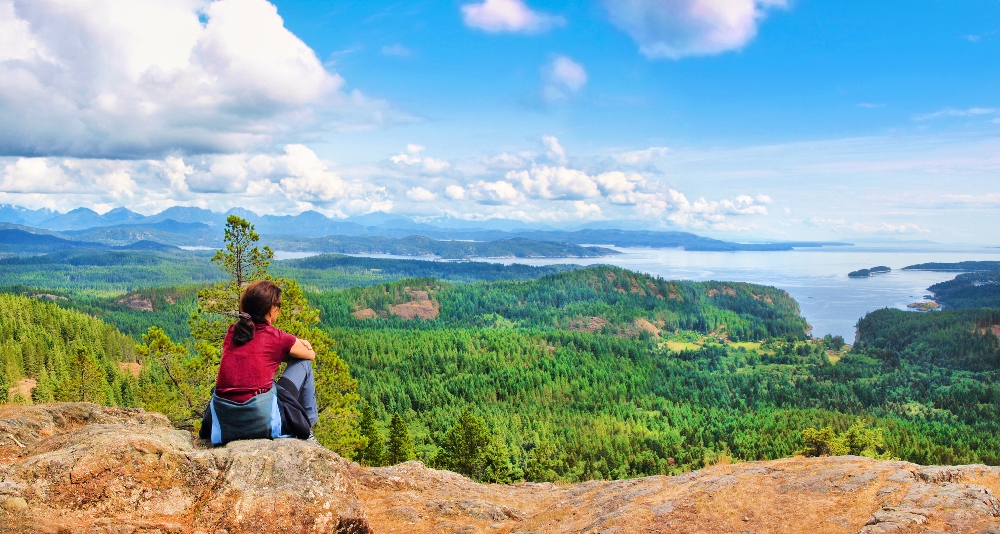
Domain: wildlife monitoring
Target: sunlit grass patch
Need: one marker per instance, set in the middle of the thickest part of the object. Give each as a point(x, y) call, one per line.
point(678, 346)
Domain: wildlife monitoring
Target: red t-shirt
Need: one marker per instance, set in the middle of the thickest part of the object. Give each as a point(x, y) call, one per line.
point(249, 369)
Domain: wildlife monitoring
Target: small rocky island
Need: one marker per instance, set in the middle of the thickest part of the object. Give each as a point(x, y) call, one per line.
point(865, 273)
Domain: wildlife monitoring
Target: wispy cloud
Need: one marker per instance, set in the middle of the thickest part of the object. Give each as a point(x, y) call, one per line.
point(955, 112)
point(842, 225)
point(396, 50)
point(986, 199)
point(638, 157)
point(869, 105)
point(562, 78)
point(975, 38)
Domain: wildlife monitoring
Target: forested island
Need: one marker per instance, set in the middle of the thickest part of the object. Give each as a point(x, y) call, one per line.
point(977, 287)
point(871, 271)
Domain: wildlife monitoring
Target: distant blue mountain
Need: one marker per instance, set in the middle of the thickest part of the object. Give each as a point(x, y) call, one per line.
point(121, 216)
point(186, 214)
point(18, 215)
point(197, 226)
point(83, 218)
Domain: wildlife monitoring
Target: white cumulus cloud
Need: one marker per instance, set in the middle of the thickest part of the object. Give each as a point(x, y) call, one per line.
point(112, 78)
point(678, 28)
point(455, 192)
point(419, 194)
point(495, 193)
point(555, 183)
point(554, 150)
point(496, 16)
point(411, 160)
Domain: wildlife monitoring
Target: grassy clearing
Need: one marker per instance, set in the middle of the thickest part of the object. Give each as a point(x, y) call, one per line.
point(678, 346)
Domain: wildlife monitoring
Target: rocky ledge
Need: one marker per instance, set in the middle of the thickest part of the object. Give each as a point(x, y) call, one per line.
point(85, 468)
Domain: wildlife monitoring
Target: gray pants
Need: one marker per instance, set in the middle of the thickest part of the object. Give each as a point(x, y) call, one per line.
point(300, 373)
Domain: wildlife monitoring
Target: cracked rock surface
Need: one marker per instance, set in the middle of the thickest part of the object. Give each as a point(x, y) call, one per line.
point(78, 467)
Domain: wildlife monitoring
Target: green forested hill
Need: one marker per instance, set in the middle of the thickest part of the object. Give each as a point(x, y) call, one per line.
point(572, 398)
point(134, 290)
point(588, 373)
point(51, 354)
point(605, 299)
point(116, 272)
point(107, 272)
point(969, 290)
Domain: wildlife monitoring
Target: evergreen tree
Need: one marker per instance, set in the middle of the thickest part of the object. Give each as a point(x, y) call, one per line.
point(245, 262)
point(181, 400)
point(497, 467)
point(336, 394)
point(243, 259)
point(400, 444)
point(372, 453)
point(543, 463)
point(43, 389)
point(463, 448)
point(87, 377)
point(4, 386)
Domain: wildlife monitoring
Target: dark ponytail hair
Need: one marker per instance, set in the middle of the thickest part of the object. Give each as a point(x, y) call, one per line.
point(255, 303)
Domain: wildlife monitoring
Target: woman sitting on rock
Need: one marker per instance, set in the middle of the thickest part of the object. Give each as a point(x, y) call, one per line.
point(246, 402)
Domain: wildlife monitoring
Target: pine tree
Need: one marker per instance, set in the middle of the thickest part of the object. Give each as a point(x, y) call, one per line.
point(372, 453)
point(4, 386)
point(245, 262)
point(400, 444)
point(463, 448)
point(542, 463)
point(243, 259)
point(184, 373)
point(87, 377)
point(497, 467)
point(43, 389)
point(336, 394)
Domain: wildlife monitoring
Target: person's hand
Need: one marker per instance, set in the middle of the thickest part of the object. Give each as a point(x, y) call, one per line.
point(302, 349)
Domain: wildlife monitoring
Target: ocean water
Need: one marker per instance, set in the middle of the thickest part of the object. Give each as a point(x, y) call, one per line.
point(816, 277)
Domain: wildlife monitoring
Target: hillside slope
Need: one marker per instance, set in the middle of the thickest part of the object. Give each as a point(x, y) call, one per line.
point(600, 298)
point(82, 468)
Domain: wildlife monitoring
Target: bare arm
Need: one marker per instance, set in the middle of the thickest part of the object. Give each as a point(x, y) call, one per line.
point(302, 350)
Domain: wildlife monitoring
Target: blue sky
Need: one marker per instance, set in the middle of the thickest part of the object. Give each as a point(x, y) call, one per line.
point(802, 77)
point(744, 119)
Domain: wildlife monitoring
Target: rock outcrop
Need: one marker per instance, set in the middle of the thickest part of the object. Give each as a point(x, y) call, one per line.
point(84, 468)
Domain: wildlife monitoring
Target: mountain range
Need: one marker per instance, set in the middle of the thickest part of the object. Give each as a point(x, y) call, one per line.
point(189, 226)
